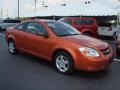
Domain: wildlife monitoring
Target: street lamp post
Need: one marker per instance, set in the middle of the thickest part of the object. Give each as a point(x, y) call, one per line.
point(7, 16)
point(18, 9)
point(1, 13)
point(35, 8)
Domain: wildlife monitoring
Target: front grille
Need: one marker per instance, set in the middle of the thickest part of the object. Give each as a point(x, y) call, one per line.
point(106, 51)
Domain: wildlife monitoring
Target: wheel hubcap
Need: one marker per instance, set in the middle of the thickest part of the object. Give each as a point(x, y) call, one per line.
point(11, 47)
point(62, 63)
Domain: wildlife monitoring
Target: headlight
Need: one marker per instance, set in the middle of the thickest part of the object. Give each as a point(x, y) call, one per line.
point(90, 52)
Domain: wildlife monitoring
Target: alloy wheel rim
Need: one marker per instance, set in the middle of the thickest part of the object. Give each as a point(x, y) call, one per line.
point(11, 47)
point(62, 63)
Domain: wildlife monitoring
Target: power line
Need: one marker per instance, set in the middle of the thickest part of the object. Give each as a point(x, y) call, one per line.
point(35, 1)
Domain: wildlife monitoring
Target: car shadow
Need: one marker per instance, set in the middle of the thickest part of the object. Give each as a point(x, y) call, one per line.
point(35, 59)
point(76, 73)
point(91, 75)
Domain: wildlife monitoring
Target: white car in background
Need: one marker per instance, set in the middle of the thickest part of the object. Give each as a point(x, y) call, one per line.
point(107, 31)
point(4, 24)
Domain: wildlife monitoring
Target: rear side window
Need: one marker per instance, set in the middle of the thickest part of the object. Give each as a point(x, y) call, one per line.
point(21, 27)
point(34, 27)
point(84, 22)
point(68, 21)
point(88, 21)
point(79, 22)
point(11, 21)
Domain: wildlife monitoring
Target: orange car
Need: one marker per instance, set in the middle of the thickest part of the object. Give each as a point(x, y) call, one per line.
point(61, 44)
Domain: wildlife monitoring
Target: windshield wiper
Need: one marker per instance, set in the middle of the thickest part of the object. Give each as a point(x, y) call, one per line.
point(75, 34)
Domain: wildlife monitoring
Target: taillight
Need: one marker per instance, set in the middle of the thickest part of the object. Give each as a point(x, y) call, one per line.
point(110, 29)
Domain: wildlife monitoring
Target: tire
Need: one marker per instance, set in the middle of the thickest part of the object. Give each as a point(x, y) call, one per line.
point(63, 63)
point(12, 47)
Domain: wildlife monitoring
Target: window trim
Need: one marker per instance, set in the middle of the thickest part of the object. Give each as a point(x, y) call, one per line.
point(24, 29)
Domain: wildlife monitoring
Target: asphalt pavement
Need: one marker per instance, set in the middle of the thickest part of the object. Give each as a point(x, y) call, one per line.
point(25, 72)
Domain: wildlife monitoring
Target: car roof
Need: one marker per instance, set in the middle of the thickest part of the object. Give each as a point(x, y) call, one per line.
point(41, 20)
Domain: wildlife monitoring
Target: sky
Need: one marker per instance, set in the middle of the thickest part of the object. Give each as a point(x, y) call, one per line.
point(73, 7)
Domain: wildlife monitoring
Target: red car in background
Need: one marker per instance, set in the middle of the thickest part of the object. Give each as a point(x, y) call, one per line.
point(85, 25)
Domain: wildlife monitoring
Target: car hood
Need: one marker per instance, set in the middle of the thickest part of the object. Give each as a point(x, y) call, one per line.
point(87, 41)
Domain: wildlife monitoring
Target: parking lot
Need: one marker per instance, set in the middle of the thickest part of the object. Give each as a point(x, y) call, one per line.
point(25, 72)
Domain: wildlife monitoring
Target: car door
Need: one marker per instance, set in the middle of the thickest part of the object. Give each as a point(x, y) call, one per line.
point(20, 35)
point(78, 24)
point(37, 43)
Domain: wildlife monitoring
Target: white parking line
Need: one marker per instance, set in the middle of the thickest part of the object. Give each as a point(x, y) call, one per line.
point(2, 35)
point(118, 60)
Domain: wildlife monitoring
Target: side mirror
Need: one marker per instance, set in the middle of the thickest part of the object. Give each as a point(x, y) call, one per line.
point(44, 34)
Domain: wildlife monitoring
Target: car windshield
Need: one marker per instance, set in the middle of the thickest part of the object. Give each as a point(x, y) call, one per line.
point(62, 29)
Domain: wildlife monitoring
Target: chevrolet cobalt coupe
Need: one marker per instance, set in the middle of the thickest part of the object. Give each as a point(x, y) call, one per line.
point(61, 44)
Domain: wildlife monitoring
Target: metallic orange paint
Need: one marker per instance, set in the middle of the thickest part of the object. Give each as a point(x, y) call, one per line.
point(46, 47)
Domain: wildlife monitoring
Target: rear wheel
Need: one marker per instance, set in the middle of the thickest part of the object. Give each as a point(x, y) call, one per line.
point(11, 46)
point(63, 63)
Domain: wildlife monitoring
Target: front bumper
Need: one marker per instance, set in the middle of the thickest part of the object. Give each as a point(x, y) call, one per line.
point(93, 64)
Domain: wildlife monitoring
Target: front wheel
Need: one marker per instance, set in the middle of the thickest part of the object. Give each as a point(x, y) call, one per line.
point(12, 48)
point(63, 63)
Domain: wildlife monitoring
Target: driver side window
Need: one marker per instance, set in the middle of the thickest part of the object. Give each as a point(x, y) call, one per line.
point(34, 28)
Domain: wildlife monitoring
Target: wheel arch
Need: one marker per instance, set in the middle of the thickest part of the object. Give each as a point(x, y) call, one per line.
point(62, 50)
point(11, 38)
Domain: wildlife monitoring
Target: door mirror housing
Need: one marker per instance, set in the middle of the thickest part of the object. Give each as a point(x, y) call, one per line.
point(44, 34)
